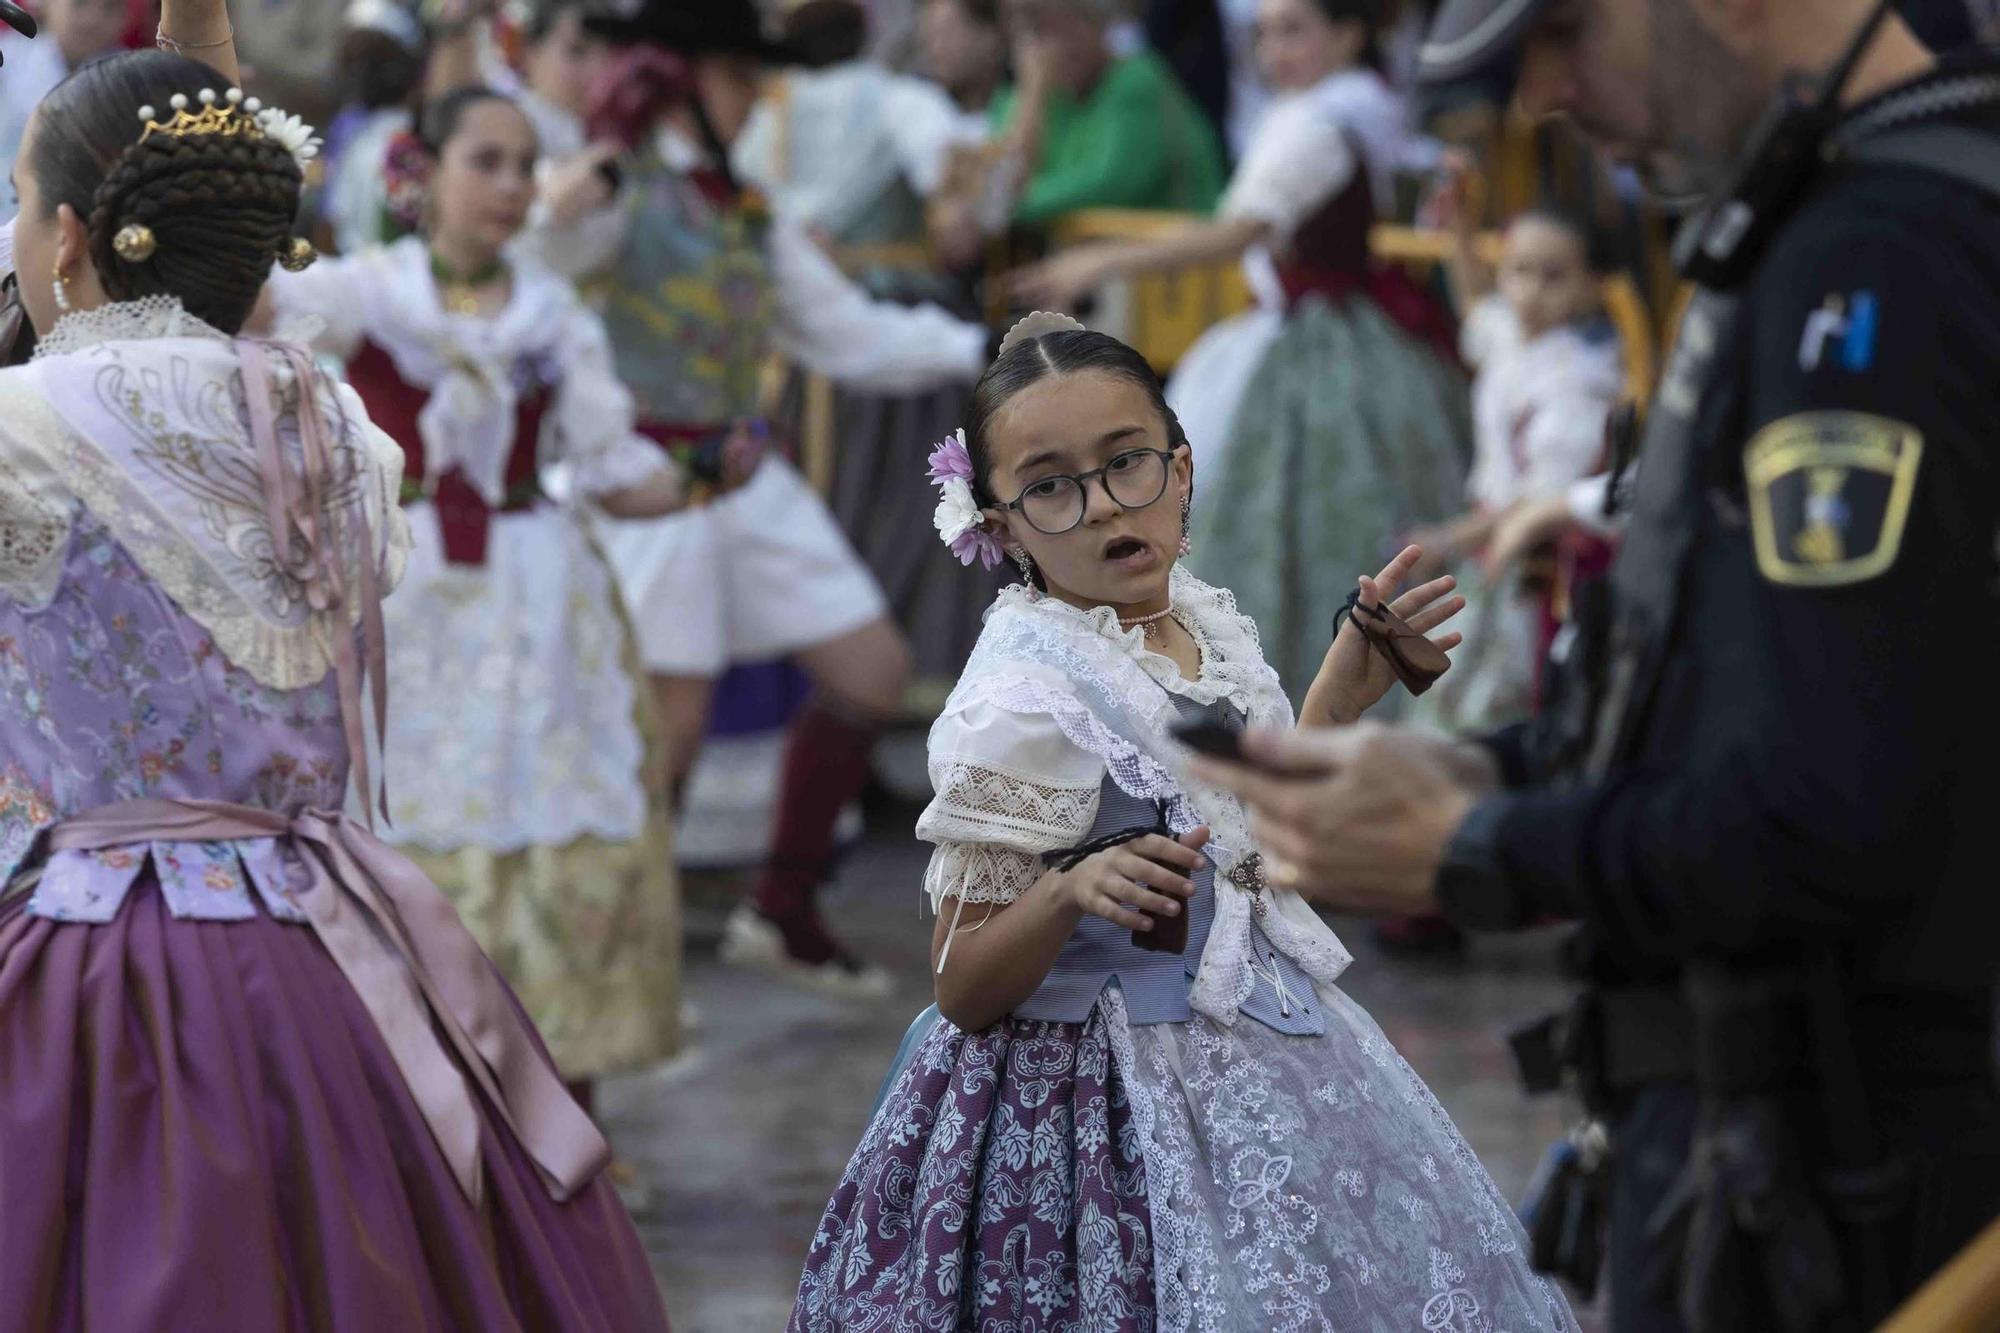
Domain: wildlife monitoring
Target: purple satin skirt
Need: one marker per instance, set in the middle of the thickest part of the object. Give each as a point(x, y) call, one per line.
point(201, 1128)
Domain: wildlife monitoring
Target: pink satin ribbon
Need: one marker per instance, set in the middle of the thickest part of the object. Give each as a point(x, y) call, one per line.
point(412, 962)
point(307, 544)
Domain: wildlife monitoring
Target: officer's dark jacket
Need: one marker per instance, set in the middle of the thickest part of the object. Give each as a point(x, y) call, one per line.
point(1819, 758)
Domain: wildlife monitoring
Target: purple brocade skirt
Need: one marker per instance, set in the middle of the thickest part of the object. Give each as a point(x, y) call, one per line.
point(201, 1128)
point(1000, 1189)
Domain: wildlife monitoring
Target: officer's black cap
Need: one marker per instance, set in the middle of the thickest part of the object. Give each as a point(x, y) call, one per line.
point(1470, 36)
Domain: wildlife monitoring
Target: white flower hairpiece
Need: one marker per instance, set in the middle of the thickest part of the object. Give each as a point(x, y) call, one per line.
point(291, 131)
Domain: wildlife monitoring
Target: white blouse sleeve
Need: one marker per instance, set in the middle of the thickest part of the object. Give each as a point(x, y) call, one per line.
point(580, 249)
point(755, 154)
point(1010, 788)
point(924, 126)
point(1298, 161)
point(325, 306)
point(828, 324)
point(592, 429)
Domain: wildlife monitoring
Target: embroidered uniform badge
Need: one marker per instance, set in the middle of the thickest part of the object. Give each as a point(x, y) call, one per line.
point(1830, 496)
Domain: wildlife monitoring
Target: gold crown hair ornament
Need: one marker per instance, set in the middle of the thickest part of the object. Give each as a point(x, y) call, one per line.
point(233, 116)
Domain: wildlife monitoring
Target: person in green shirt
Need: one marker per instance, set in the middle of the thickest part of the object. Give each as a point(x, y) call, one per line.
point(1102, 130)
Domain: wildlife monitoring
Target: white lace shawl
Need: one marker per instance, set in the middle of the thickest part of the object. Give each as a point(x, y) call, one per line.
point(136, 412)
point(1000, 806)
point(472, 366)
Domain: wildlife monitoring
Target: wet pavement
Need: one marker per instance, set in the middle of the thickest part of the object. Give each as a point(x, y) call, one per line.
point(737, 1145)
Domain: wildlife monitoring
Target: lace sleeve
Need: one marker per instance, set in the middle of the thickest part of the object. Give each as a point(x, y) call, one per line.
point(1010, 787)
point(35, 508)
point(976, 872)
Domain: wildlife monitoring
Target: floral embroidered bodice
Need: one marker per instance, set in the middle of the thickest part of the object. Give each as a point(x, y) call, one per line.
point(149, 646)
point(689, 302)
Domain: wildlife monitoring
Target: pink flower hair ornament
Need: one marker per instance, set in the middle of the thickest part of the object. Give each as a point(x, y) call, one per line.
point(961, 525)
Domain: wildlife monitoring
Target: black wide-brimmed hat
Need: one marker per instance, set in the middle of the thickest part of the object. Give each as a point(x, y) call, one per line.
point(1469, 36)
point(693, 27)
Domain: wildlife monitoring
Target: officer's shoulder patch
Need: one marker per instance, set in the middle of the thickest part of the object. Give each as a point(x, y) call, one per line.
point(1830, 496)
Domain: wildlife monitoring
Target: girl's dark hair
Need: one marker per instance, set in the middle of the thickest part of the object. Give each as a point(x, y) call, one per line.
point(820, 33)
point(1068, 352)
point(1368, 13)
point(221, 208)
point(442, 118)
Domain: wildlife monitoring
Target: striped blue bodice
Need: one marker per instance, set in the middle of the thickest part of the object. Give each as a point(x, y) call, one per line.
point(1100, 953)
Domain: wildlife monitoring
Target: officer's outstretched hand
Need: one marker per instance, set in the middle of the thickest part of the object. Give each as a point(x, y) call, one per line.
point(1357, 818)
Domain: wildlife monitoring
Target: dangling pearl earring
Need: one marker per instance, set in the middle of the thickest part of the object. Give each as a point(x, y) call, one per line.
point(62, 293)
point(1187, 523)
point(1026, 566)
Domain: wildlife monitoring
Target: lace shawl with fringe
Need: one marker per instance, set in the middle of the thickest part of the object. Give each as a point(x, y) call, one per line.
point(137, 411)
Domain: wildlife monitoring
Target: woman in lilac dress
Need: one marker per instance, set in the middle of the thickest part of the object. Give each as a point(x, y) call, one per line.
point(253, 1073)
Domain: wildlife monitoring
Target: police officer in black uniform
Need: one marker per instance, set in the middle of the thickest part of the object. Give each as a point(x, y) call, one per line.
point(1766, 789)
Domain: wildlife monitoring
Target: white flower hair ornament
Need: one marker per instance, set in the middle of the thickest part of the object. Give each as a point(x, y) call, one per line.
point(961, 524)
point(292, 132)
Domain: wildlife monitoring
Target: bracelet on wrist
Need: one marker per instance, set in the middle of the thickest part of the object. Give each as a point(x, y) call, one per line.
point(173, 47)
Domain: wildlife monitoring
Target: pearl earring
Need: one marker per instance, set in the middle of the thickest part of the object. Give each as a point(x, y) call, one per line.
point(62, 293)
point(1025, 565)
point(1187, 523)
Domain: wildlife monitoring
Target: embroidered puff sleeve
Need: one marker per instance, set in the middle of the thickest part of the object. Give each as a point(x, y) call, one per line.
point(1010, 787)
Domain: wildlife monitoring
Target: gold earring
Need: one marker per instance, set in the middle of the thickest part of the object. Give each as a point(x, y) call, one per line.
point(135, 243)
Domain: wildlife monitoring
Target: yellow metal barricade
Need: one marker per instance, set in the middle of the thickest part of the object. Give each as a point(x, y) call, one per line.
point(1963, 1298)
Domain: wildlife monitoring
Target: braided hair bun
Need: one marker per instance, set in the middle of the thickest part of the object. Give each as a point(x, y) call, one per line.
point(221, 208)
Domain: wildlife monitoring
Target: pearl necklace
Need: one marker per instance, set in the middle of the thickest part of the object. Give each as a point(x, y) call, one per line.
point(1154, 625)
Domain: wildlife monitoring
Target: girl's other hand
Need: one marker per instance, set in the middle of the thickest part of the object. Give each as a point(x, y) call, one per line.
point(1150, 873)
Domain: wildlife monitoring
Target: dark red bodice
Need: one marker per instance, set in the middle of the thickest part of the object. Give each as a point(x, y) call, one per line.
point(465, 519)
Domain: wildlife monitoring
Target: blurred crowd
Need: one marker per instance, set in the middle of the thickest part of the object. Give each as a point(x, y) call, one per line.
point(1439, 305)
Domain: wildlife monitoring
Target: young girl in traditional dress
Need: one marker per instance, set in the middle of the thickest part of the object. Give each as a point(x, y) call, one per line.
point(1110, 1133)
point(256, 1074)
point(1329, 416)
point(517, 766)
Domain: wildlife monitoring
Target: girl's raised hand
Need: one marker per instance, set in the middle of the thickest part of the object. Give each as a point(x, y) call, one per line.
point(1151, 873)
point(1354, 677)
